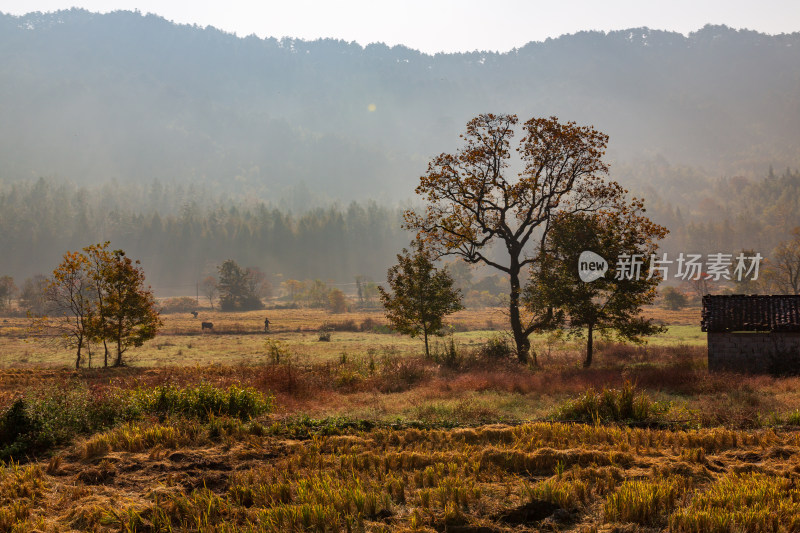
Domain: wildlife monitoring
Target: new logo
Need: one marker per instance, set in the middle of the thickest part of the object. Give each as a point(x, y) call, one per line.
point(591, 266)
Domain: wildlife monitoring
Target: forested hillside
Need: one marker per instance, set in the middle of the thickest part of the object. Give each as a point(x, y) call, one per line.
point(91, 97)
point(188, 145)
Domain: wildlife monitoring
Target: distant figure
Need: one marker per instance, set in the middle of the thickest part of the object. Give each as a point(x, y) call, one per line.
point(266, 324)
point(194, 314)
point(206, 325)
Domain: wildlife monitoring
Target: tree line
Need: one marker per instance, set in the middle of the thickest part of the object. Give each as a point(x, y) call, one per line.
point(181, 234)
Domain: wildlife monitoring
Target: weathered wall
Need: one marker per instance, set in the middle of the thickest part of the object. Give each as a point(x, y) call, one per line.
point(763, 353)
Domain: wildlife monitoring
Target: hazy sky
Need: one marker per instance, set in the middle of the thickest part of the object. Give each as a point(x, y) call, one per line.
point(445, 25)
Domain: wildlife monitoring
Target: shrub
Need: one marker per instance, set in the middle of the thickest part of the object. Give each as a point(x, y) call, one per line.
point(184, 304)
point(49, 416)
point(399, 374)
point(345, 325)
point(447, 355)
point(203, 401)
point(325, 333)
point(612, 405)
point(277, 351)
point(497, 347)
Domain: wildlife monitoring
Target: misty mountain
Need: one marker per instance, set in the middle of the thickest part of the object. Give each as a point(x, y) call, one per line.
point(122, 96)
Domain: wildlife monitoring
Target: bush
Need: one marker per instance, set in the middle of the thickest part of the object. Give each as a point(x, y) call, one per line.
point(46, 417)
point(202, 401)
point(277, 351)
point(612, 405)
point(447, 354)
point(325, 333)
point(497, 347)
point(184, 304)
point(373, 326)
point(345, 325)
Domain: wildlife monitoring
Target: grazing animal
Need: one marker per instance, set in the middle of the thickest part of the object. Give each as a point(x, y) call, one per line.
point(194, 313)
point(206, 325)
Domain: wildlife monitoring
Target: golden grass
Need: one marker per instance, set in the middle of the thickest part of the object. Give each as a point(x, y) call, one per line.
point(281, 473)
point(238, 478)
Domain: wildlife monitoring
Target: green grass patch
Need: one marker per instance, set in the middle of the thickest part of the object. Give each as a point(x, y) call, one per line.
point(45, 417)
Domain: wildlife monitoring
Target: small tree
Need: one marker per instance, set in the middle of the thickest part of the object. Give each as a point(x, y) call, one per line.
point(210, 289)
point(785, 265)
point(131, 307)
point(32, 297)
point(98, 260)
point(294, 289)
point(8, 290)
point(673, 299)
point(611, 303)
point(69, 297)
point(421, 296)
point(257, 283)
point(337, 302)
point(237, 292)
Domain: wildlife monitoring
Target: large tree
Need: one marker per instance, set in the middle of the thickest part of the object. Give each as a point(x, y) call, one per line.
point(472, 203)
point(610, 303)
point(421, 294)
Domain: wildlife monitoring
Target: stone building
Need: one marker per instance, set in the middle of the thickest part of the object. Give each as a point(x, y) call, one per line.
point(755, 334)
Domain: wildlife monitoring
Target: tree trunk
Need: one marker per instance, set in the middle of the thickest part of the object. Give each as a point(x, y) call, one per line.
point(523, 345)
point(78, 358)
point(118, 362)
point(588, 362)
point(105, 355)
point(425, 334)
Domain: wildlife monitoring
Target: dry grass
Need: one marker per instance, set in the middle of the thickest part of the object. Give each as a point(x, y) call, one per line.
point(369, 436)
point(233, 476)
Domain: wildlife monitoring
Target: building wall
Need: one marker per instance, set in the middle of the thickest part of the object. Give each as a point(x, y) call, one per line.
point(762, 353)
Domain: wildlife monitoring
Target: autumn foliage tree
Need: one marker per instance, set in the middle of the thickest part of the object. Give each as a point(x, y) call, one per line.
point(130, 306)
point(100, 296)
point(421, 295)
point(71, 304)
point(473, 203)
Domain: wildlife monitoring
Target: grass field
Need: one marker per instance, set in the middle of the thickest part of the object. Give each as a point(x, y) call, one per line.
point(240, 337)
point(238, 430)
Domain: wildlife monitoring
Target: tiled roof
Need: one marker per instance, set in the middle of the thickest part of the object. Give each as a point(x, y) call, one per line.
point(739, 312)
